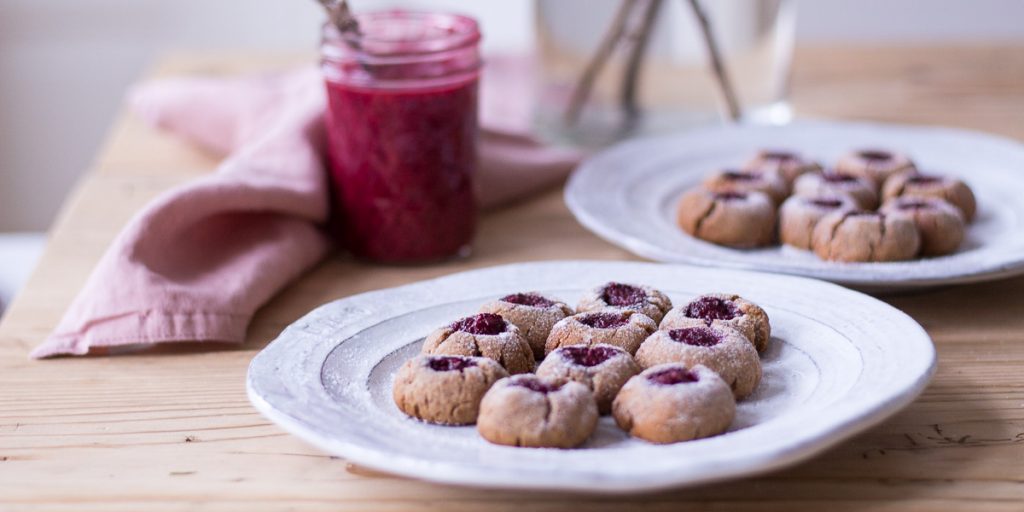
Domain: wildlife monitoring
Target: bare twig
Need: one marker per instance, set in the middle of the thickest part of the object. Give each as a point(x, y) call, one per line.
point(608, 43)
point(638, 40)
point(724, 84)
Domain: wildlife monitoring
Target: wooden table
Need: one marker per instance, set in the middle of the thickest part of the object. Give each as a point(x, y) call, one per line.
point(171, 429)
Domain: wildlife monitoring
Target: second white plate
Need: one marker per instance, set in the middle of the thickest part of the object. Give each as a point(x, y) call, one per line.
point(627, 195)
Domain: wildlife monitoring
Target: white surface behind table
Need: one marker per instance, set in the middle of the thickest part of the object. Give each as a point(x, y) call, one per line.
point(19, 253)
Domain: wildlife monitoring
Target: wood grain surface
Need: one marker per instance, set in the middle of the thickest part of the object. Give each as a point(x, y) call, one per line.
point(171, 428)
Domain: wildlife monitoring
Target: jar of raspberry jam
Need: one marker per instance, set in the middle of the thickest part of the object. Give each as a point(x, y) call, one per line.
point(402, 129)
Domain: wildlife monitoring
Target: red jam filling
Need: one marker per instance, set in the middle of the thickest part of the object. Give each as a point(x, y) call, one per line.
point(921, 179)
point(604, 320)
point(670, 376)
point(711, 308)
point(483, 323)
point(836, 177)
point(826, 203)
point(696, 336)
point(588, 356)
point(875, 155)
point(741, 176)
point(528, 299)
point(450, 363)
point(730, 196)
point(618, 294)
point(534, 384)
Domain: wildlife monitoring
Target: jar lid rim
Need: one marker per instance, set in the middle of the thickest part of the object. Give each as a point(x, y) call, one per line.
point(461, 31)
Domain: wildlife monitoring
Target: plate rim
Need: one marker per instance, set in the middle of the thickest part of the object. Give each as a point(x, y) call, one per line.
point(1010, 265)
point(825, 437)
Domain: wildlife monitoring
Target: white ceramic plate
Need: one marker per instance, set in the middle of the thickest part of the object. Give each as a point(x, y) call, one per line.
point(839, 362)
point(627, 195)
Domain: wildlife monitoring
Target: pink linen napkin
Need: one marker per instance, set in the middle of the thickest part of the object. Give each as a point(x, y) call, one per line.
point(198, 261)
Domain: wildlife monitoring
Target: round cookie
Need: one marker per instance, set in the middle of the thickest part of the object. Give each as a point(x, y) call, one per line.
point(865, 236)
point(534, 315)
point(860, 189)
point(876, 165)
point(643, 299)
point(723, 310)
point(798, 216)
point(734, 219)
point(526, 410)
point(722, 349)
point(445, 389)
point(733, 180)
point(602, 368)
point(670, 403)
point(947, 188)
point(940, 224)
point(787, 164)
point(486, 335)
point(623, 328)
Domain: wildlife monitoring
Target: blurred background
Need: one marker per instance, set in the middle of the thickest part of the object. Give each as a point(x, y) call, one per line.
point(65, 67)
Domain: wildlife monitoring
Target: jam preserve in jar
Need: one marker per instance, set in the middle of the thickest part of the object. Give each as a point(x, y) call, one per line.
point(402, 129)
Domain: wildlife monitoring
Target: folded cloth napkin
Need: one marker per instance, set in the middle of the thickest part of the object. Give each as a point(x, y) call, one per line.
point(197, 262)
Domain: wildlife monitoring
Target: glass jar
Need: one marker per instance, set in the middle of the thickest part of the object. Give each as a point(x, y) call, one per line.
point(667, 84)
point(402, 130)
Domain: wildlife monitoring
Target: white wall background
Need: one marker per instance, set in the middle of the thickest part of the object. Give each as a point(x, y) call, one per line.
point(64, 66)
